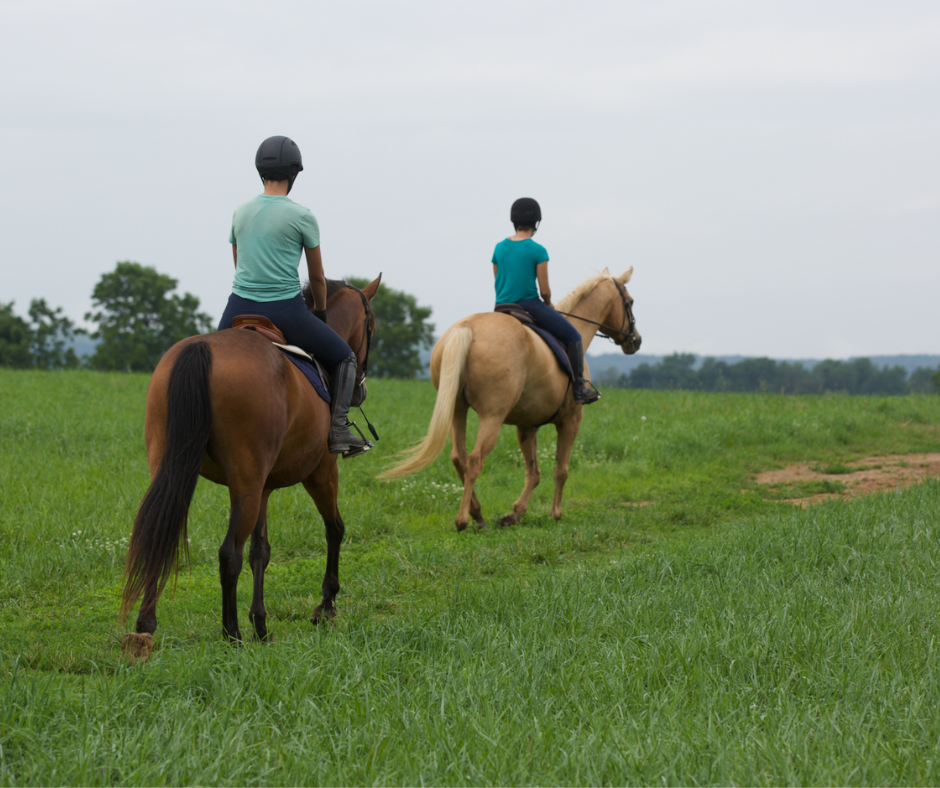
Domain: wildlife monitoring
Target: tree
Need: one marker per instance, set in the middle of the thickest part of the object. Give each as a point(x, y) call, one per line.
point(39, 343)
point(921, 381)
point(138, 320)
point(50, 332)
point(14, 339)
point(401, 333)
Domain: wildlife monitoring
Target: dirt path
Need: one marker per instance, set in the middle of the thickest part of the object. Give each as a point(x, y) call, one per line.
point(861, 477)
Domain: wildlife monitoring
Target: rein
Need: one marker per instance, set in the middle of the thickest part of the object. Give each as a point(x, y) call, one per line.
point(629, 321)
point(367, 341)
point(366, 335)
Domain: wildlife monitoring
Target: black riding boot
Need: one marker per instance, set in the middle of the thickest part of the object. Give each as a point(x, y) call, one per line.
point(341, 439)
point(581, 392)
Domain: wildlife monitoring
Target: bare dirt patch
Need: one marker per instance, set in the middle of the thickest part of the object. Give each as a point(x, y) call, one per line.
point(851, 479)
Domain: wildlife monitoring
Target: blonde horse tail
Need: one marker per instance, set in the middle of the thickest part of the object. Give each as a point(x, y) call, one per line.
point(453, 368)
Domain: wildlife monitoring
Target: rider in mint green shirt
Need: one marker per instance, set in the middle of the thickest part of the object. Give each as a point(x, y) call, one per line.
point(269, 235)
point(270, 232)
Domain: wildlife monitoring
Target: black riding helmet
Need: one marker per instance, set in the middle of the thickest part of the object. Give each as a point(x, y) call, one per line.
point(278, 159)
point(525, 212)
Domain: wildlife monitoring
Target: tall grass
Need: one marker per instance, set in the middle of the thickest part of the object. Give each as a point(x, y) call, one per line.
point(711, 637)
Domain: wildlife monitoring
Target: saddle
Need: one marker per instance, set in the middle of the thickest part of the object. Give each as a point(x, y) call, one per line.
point(312, 369)
point(262, 325)
point(516, 311)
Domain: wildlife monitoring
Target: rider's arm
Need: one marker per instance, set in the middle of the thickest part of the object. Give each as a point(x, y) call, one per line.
point(235, 254)
point(494, 270)
point(316, 277)
point(541, 271)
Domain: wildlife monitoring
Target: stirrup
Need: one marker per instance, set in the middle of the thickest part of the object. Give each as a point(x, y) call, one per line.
point(589, 394)
point(355, 451)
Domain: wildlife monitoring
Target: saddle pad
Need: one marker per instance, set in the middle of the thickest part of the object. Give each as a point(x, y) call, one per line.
point(560, 355)
point(295, 350)
point(311, 373)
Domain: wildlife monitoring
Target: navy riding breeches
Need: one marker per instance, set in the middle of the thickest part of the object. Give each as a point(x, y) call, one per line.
point(547, 318)
point(297, 324)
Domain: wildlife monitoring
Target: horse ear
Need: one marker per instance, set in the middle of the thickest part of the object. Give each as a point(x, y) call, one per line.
point(626, 276)
point(606, 272)
point(372, 288)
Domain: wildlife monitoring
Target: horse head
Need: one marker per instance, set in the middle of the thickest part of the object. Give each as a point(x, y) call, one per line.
point(349, 313)
point(620, 313)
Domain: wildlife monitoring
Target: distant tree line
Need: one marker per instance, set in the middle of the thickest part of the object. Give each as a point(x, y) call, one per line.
point(43, 341)
point(137, 317)
point(858, 376)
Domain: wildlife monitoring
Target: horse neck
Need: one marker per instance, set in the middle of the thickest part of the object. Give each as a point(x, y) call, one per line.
point(593, 307)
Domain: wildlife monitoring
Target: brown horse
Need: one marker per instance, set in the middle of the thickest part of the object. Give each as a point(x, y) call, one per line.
point(494, 364)
point(230, 407)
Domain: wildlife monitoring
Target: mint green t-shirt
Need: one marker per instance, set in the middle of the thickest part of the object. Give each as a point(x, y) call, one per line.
point(270, 234)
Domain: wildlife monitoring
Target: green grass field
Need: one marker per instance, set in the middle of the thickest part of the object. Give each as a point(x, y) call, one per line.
point(714, 636)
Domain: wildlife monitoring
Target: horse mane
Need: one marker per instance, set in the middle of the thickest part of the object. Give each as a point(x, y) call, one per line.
point(573, 298)
point(332, 286)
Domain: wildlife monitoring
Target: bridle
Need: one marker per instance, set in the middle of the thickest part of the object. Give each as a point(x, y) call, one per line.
point(627, 328)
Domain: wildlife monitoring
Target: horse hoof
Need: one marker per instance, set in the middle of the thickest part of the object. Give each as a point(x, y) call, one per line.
point(321, 616)
point(481, 525)
point(137, 647)
point(460, 526)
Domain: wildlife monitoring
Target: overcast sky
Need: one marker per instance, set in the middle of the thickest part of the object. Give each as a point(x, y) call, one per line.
point(771, 170)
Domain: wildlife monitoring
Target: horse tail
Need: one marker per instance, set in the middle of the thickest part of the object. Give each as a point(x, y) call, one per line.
point(453, 368)
point(161, 519)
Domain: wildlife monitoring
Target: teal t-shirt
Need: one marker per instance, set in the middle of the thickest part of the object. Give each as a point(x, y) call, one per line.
point(270, 234)
point(515, 263)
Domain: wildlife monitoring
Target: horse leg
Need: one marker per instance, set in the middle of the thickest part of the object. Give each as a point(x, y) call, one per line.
point(486, 440)
point(246, 506)
point(458, 456)
point(138, 645)
point(528, 443)
point(567, 432)
point(259, 555)
point(323, 487)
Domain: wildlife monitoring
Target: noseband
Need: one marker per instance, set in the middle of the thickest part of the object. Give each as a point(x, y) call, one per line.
point(627, 328)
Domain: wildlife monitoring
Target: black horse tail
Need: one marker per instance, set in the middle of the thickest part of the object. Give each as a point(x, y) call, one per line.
point(161, 519)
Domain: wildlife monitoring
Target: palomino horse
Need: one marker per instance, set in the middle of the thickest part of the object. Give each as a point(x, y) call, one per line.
point(494, 364)
point(229, 406)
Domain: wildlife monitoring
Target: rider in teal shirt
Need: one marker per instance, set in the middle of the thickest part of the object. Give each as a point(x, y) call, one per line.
point(518, 264)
